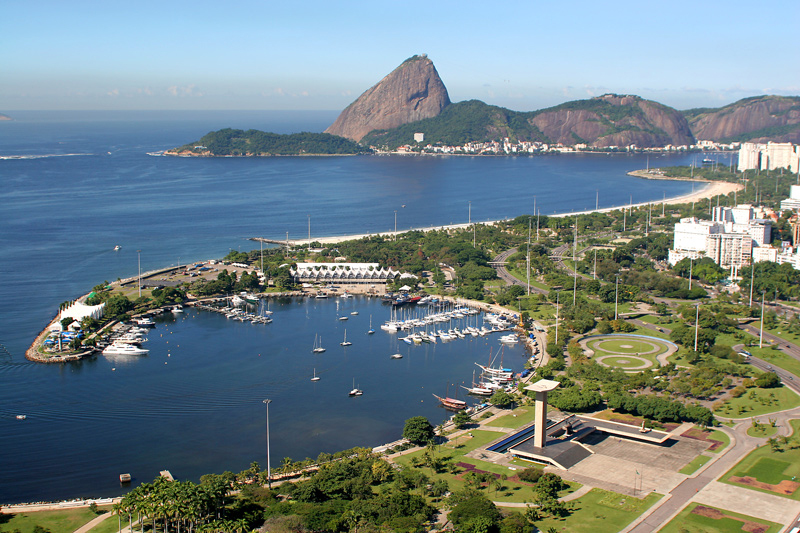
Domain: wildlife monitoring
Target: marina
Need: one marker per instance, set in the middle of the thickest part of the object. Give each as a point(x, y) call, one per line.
point(208, 397)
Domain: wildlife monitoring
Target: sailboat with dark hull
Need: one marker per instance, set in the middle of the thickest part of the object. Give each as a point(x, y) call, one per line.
point(451, 403)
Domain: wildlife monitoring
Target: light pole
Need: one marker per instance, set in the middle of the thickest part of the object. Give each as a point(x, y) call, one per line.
point(269, 472)
point(752, 278)
point(691, 264)
point(696, 327)
point(395, 224)
point(761, 333)
point(139, 257)
point(309, 229)
point(469, 216)
point(616, 296)
point(558, 295)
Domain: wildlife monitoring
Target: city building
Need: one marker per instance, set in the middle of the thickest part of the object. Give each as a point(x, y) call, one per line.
point(769, 156)
point(793, 202)
point(728, 239)
point(358, 277)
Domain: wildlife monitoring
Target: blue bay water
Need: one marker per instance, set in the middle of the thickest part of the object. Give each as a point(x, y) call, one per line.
point(95, 187)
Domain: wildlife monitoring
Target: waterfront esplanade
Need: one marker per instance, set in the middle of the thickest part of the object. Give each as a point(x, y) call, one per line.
point(541, 388)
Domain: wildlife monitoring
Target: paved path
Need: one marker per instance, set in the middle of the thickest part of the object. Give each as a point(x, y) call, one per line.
point(568, 498)
point(95, 521)
point(704, 481)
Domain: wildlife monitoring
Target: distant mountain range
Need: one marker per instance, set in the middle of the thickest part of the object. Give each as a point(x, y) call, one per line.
point(759, 118)
point(413, 99)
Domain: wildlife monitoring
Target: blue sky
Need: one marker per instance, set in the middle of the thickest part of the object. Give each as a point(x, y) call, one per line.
point(323, 54)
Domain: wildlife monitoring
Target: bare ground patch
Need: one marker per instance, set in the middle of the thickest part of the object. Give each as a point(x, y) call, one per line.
point(716, 514)
point(785, 487)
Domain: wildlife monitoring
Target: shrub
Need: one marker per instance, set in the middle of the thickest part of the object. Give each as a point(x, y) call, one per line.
point(530, 475)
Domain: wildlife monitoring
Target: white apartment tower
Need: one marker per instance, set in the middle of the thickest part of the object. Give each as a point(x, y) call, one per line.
point(769, 156)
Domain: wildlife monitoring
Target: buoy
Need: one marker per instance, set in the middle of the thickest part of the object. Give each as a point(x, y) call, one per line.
point(113, 369)
point(165, 362)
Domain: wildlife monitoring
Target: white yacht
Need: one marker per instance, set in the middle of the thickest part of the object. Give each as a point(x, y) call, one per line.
point(120, 348)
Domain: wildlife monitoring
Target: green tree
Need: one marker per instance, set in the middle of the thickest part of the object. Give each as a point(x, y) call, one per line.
point(462, 419)
point(418, 430)
point(501, 399)
point(475, 513)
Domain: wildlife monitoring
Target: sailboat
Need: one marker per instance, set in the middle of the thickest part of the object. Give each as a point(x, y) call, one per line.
point(479, 390)
point(355, 391)
point(370, 331)
point(315, 378)
point(451, 403)
point(317, 346)
point(344, 342)
point(343, 317)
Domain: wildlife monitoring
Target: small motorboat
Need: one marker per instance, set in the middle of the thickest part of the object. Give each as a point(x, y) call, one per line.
point(396, 356)
point(22, 417)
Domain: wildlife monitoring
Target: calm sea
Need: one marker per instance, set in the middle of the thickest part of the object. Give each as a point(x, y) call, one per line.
point(193, 405)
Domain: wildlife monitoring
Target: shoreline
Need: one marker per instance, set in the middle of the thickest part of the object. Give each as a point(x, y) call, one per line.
point(709, 190)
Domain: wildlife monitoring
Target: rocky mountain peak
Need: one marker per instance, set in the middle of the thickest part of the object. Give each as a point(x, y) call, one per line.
point(411, 92)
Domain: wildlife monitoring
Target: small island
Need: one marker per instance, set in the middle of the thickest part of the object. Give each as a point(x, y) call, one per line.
point(230, 142)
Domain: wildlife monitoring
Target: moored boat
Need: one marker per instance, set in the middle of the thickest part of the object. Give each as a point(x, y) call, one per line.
point(121, 348)
point(451, 403)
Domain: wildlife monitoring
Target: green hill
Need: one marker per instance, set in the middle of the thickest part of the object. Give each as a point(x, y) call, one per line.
point(609, 120)
point(231, 142)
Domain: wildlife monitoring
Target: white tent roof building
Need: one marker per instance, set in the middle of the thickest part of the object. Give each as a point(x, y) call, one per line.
point(80, 310)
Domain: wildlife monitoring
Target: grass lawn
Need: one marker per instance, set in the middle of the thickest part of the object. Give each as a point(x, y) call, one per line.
point(62, 521)
point(781, 332)
point(512, 490)
point(110, 524)
point(767, 466)
point(795, 423)
point(518, 417)
point(727, 521)
point(600, 510)
point(777, 358)
point(661, 321)
point(764, 431)
point(720, 436)
point(764, 401)
point(694, 465)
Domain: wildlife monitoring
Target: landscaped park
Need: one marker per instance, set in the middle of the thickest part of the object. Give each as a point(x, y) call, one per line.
point(628, 352)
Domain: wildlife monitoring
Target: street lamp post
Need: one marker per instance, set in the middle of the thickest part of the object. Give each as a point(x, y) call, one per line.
point(696, 326)
point(469, 216)
point(761, 333)
point(616, 296)
point(558, 295)
point(139, 257)
point(395, 224)
point(691, 264)
point(269, 472)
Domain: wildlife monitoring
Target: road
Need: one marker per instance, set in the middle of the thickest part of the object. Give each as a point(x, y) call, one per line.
point(506, 276)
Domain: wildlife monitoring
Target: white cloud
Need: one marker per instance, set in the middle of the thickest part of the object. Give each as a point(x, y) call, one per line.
point(185, 91)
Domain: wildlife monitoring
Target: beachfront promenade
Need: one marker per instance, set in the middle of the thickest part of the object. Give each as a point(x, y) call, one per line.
point(709, 189)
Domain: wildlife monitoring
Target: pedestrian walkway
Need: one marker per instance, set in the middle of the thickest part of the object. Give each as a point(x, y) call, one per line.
point(92, 523)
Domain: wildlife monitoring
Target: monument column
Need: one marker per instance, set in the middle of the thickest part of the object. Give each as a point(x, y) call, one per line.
point(541, 388)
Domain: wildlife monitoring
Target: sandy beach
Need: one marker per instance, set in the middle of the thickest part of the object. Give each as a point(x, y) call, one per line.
point(706, 189)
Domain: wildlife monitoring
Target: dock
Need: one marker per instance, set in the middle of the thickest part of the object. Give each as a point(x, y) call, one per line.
point(166, 475)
